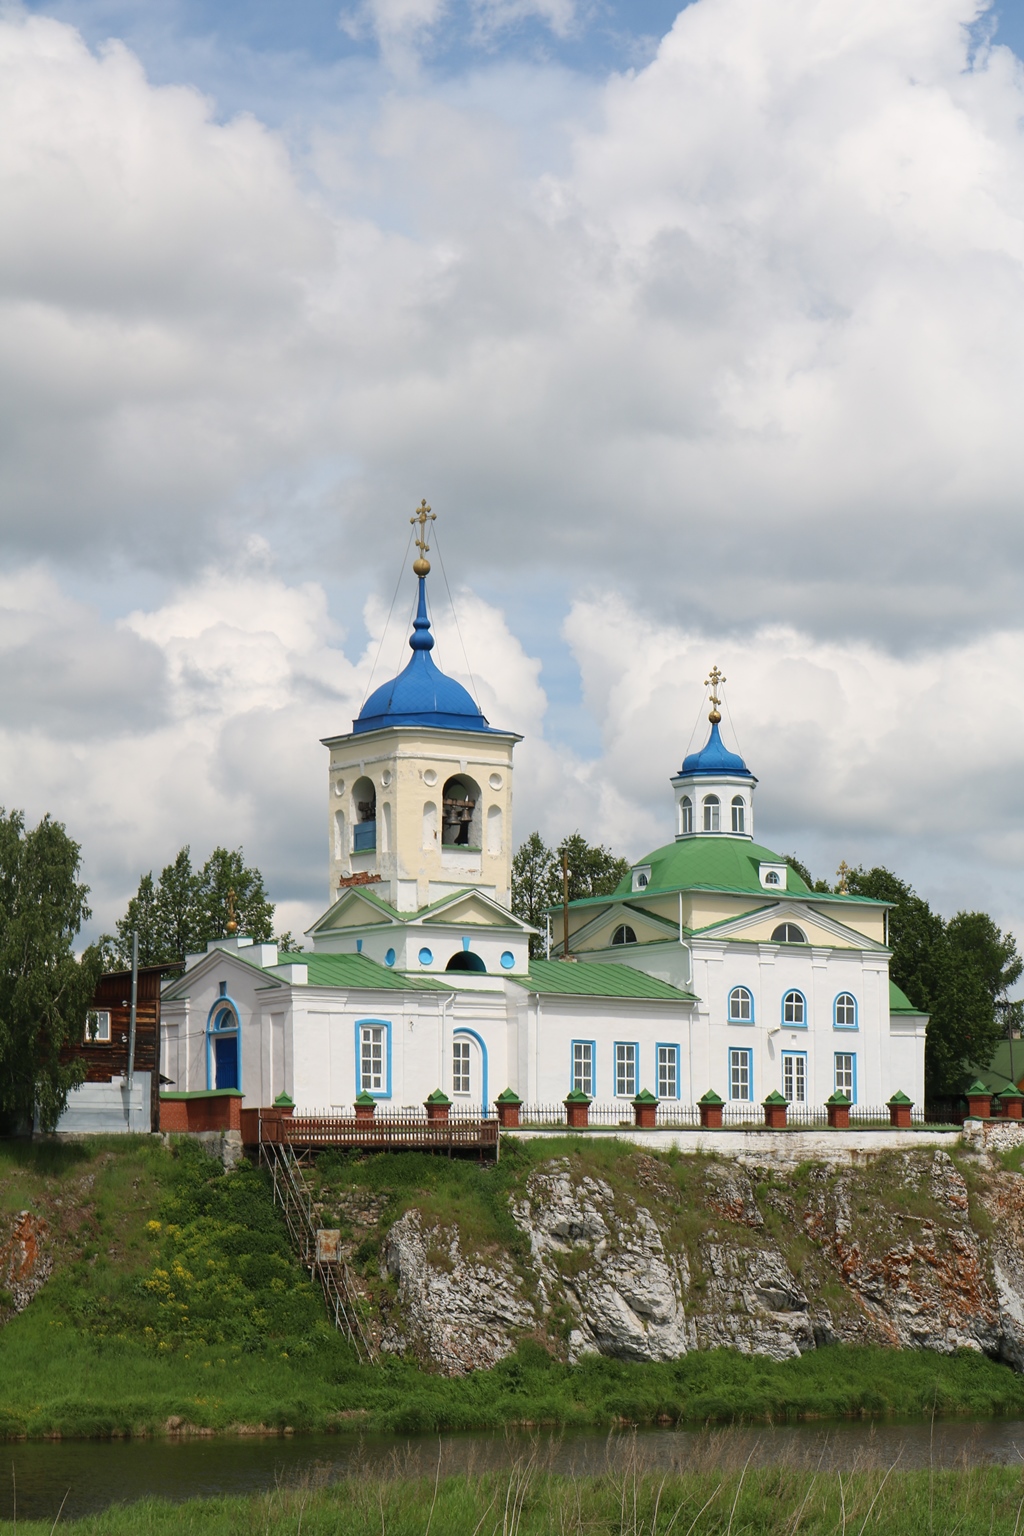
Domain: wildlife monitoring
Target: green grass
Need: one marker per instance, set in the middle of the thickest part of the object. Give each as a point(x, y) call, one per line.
point(763, 1501)
point(176, 1296)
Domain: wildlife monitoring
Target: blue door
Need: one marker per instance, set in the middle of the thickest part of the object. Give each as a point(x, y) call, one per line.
point(225, 1061)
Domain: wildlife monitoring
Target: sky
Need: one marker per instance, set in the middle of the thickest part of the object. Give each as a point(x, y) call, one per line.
point(701, 330)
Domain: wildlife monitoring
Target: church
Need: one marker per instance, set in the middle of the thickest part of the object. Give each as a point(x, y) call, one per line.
point(712, 966)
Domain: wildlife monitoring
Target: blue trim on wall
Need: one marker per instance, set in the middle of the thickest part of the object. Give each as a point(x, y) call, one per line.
point(856, 1011)
point(615, 1067)
point(508, 960)
point(753, 1010)
point(375, 1093)
point(465, 942)
point(665, 1045)
point(389, 958)
point(748, 1053)
point(221, 1002)
point(787, 1023)
point(426, 956)
point(853, 1054)
point(593, 1064)
point(464, 1030)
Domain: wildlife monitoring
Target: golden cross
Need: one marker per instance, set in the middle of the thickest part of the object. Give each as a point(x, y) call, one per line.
point(423, 515)
point(232, 924)
point(843, 887)
point(712, 682)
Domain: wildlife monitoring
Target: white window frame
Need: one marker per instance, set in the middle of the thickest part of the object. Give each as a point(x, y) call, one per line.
point(461, 1067)
point(711, 807)
point(794, 1076)
point(104, 1034)
point(737, 1018)
point(841, 998)
point(583, 1052)
point(376, 1083)
point(686, 816)
point(739, 814)
point(667, 1058)
point(741, 1074)
point(846, 1075)
point(626, 1055)
point(794, 1022)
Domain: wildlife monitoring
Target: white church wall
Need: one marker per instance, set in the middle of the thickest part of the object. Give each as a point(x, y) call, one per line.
point(603, 1025)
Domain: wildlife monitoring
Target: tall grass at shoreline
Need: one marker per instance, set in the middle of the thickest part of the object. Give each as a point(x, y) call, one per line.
point(768, 1501)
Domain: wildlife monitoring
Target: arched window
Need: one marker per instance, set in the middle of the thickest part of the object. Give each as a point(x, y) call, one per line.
point(364, 816)
point(465, 960)
point(686, 814)
point(794, 1009)
point(460, 813)
point(624, 935)
point(772, 878)
point(741, 1006)
point(846, 1011)
point(738, 814)
point(712, 813)
point(789, 933)
point(641, 881)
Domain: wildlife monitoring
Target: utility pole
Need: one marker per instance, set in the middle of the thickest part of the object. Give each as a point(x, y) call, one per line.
point(565, 906)
point(132, 1017)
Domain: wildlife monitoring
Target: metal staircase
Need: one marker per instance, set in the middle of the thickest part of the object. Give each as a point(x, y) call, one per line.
point(291, 1194)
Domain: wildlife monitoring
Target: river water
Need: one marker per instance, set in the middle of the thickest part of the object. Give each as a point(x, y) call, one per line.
point(89, 1475)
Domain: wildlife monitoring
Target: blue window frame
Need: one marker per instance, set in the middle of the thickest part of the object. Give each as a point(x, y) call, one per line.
point(794, 1076)
point(667, 1058)
point(741, 1073)
point(373, 1057)
point(583, 1053)
point(741, 1006)
point(364, 837)
point(846, 1074)
point(626, 1055)
point(794, 1010)
point(223, 1043)
point(844, 1011)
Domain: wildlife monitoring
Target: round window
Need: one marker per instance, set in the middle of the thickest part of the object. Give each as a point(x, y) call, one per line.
point(426, 957)
point(339, 788)
point(508, 960)
point(430, 777)
point(389, 958)
point(385, 778)
point(495, 781)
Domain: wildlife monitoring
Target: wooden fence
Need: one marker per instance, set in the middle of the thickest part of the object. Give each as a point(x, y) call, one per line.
point(380, 1133)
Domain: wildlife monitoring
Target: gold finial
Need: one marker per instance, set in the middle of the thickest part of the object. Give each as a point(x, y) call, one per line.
point(232, 922)
point(421, 565)
point(712, 682)
point(843, 888)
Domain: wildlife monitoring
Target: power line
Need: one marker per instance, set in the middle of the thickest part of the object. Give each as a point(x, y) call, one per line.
point(458, 627)
point(387, 624)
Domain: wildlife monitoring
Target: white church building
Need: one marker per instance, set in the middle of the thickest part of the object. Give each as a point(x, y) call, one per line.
point(713, 966)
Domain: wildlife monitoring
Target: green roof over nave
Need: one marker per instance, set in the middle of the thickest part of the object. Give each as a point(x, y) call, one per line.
point(716, 863)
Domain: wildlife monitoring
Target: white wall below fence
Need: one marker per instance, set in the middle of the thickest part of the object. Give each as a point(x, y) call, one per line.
point(785, 1147)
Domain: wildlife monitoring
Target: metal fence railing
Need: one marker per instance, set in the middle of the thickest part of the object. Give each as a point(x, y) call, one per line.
point(736, 1114)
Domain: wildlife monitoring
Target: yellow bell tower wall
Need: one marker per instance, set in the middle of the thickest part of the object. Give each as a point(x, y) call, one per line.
point(427, 809)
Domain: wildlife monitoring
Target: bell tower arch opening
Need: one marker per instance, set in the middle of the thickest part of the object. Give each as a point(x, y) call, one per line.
point(364, 816)
point(460, 813)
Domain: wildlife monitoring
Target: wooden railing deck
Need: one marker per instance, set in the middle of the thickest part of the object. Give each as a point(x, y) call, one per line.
point(387, 1133)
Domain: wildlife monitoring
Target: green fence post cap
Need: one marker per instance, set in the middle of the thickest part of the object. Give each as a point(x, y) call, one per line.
point(577, 1097)
point(839, 1101)
point(899, 1097)
point(508, 1097)
point(1009, 1093)
point(645, 1096)
point(437, 1097)
point(365, 1100)
point(284, 1101)
point(711, 1097)
point(775, 1098)
point(978, 1088)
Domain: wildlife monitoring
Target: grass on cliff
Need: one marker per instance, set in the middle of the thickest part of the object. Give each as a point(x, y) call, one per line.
point(774, 1501)
point(176, 1296)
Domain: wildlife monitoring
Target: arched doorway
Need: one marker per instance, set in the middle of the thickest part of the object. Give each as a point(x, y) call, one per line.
point(222, 1063)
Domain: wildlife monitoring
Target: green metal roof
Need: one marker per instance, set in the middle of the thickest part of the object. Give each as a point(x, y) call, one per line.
point(360, 972)
point(581, 978)
point(722, 863)
point(1007, 1063)
point(899, 1002)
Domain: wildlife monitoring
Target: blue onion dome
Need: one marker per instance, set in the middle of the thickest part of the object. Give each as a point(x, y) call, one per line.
point(714, 758)
point(421, 694)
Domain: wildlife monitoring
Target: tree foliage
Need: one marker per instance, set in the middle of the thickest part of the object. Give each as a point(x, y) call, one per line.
point(958, 971)
point(178, 914)
point(537, 878)
point(45, 990)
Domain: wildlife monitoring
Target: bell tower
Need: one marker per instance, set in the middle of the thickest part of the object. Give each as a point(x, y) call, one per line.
point(420, 790)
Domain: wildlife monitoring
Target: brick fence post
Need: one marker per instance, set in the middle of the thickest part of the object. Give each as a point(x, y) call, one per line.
point(577, 1110)
point(899, 1110)
point(838, 1108)
point(508, 1105)
point(710, 1106)
point(775, 1107)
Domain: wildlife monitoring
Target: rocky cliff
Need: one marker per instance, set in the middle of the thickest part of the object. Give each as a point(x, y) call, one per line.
point(646, 1258)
